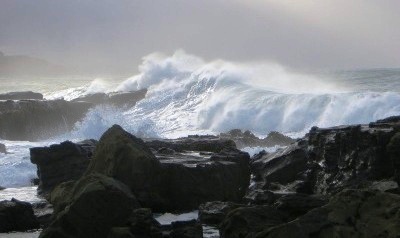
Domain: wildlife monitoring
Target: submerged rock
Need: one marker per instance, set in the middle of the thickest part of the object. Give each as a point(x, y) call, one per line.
point(248, 139)
point(17, 216)
point(95, 205)
point(3, 149)
point(36, 120)
point(350, 213)
point(27, 95)
point(60, 163)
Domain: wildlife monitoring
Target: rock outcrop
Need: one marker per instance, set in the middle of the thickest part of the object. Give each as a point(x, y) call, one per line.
point(350, 213)
point(248, 139)
point(27, 95)
point(35, 120)
point(116, 98)
point(17, 216)
point(159, 181)
point(95, 205)
point(61, 162)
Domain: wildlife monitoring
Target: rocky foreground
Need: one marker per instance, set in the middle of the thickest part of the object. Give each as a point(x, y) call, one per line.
point(334, 182)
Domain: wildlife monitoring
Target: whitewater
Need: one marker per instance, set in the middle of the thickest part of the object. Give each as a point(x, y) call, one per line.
point(188, 95)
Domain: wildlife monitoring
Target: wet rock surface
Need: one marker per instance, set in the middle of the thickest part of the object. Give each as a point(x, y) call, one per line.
point(17, 216)
point(36, 119)
point(61, 162)
point(248, 139)
point(214, 212)
point(3, 149)
point(116, 98)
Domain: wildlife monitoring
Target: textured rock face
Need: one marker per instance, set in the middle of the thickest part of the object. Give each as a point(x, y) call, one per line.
point(17, 216)
point(21, 96)
point(159, 182)
point(36, 120)
point(248, 139)
point(214, 212)
point(95, 205)
point(350, 213)
point(329, 160)
point(61, 162)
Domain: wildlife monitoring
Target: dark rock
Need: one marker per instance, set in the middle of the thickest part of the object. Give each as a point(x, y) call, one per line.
point(21, 96)
point(165, 151)
point(159, 182)
point(60, 163)
point(247, 221)
point(296, 204)
point(248, 139)
point(193, 143)
point(96, 204)
point(3, 149)
point(142, 223)
point(43, 212)
point(116, 98)
point(185, 229)
point(17, 216)
point(120, 232)
point(214, 212)
point(350, 213)
point(2, 188)
point(37, 120)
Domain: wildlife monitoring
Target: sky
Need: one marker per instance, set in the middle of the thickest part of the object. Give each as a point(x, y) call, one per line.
point(113, 35)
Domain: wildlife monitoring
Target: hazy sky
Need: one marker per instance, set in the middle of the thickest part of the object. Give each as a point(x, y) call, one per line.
point(113, 35)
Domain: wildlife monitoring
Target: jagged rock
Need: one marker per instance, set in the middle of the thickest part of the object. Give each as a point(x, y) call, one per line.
point(193, 143)
point(214, 212)
point(247, 221)
point(21, 96)
point(37, 120)
point(61, 162)
point(3, 149)
point(17, 216)
point(159, 182)
point(350, 213)
point(95, 205)
point(117, 98)
point(329, 160)
point(248, 139)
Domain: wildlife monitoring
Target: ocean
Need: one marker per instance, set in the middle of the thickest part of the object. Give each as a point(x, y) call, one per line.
point(187, 95)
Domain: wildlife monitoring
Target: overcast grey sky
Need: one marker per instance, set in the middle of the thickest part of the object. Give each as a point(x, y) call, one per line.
point(113, 35)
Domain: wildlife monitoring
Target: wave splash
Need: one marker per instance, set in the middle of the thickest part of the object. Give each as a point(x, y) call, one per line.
point(187, 95)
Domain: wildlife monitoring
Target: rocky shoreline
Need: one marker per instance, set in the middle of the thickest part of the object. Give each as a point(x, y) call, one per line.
point(334, 182)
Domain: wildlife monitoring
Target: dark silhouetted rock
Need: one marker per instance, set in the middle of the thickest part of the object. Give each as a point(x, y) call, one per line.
point(248, 139)
point(214, 212)
point(350, 213)
point(159, 182)
point(28, 95)
point(116, 98)
point(185, 229)
point(61, 162)
point(247, 221)
point(193, 143)
point(37, 120)
point(3, 149)
point(96, 204)
point(17, 216)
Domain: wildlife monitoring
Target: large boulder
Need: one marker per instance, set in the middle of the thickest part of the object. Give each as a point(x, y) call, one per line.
point(128, 159)
point(61, 162)
point(37, 120)
point(116, 98)
point(95, 205)
point(21, 96)
point(214, 212)
point(159, 181)
point(17, 216)
point(350, 213)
